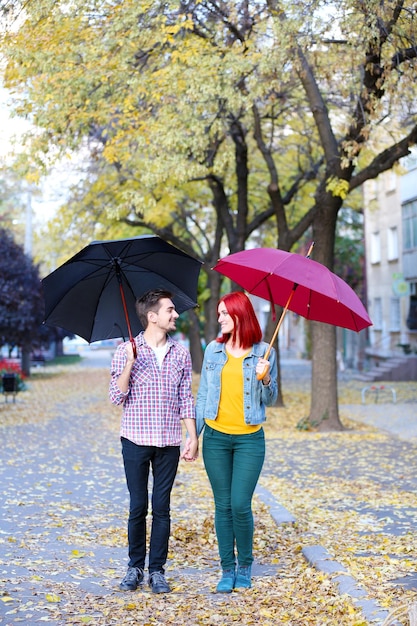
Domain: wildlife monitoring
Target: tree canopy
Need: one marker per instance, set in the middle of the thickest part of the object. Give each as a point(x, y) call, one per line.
point(209, 120)
point(21, 302)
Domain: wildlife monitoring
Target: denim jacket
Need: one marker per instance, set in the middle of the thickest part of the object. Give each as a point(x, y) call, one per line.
point(256, 394)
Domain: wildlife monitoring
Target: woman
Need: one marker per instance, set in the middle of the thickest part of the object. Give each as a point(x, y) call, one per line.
point(231, 407)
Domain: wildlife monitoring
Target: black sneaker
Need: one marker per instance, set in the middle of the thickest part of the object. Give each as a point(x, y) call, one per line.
point(133, 578)
point(158, 583)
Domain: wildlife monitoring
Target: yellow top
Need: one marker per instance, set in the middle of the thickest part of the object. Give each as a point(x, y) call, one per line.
point(230, 418)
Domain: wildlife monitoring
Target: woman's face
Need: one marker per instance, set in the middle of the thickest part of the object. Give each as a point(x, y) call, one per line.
point(226, 322)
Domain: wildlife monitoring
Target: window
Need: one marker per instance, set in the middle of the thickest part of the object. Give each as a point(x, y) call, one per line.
point(412, 314)
point(409, 213)
point(392, 244)
point(377, 314)
point(395, 315)
point(375, 248)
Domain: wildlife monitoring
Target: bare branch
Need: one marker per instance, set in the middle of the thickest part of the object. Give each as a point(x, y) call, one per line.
point(385, 160)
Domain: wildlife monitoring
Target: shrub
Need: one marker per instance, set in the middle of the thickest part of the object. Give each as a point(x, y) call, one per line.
point(9, 367)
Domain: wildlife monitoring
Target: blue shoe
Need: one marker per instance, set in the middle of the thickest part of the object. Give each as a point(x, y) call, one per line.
point(243, 577)
point(133, 578)
point(227, 581)
point(158, 583)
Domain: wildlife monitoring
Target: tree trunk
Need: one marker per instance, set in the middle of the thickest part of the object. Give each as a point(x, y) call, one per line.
point(196, 349)
point(211, 326)
point(58, 347)
point(324, 409)
point(25, 360)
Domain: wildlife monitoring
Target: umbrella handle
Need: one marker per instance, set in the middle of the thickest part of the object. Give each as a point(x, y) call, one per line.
point(274, 336)
point(310, 250)
point(132, 341)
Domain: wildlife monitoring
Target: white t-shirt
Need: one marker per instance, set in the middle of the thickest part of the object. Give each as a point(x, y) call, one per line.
point(160, 352)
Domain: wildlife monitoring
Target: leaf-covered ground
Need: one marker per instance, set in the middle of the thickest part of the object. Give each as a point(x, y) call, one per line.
point(64, 510)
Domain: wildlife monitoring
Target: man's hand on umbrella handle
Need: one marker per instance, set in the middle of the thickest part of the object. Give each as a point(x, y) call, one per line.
point(262, 370)
point(129, 352)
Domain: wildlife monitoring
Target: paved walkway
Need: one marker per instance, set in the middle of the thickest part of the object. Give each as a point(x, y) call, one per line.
point(398, 419)
point(42, 520)
point(310, 468)
point(399, 422)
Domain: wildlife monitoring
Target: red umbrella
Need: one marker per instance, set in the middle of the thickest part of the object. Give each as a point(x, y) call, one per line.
point(298, 283)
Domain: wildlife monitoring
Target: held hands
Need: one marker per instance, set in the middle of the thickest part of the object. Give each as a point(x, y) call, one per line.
point(262, 371)
point(190, 452)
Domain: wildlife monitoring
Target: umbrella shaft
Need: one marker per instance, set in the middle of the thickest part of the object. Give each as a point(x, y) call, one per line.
point(129, 330)
point(276, 331)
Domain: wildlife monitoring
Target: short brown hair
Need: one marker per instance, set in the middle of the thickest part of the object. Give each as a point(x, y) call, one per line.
point(150, 301)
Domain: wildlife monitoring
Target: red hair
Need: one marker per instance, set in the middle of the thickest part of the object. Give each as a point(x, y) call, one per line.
point(246, 326)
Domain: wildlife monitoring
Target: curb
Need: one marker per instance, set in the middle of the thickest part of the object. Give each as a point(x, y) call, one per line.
point(318, 557)
point(279, 513)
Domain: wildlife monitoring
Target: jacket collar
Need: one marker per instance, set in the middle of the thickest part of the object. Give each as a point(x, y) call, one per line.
point(258, 349)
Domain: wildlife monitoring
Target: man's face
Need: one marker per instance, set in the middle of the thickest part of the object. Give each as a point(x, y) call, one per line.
point(166, 316)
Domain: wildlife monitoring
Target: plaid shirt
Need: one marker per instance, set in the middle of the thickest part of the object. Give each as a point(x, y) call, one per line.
point(157, 399)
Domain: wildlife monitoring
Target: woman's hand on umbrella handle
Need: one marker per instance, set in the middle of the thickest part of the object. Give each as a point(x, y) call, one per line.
point(262, 369)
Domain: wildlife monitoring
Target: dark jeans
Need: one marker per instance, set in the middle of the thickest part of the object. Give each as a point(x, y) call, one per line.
point(233, 464)
point(137, 462)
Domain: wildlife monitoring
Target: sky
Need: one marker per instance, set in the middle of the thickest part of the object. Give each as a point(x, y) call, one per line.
point(52, 190)
point(9, 126)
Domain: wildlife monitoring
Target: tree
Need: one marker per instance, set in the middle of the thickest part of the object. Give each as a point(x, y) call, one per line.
point(21, 303)
point(12, 210)
point(218, 117)
point(385, 39)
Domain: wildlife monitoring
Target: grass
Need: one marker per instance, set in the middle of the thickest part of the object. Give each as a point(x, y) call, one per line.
point(65, 359)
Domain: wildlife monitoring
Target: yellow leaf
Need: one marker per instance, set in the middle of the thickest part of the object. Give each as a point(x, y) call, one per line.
point(76, 554)
point(53, 597)
point(337, 187)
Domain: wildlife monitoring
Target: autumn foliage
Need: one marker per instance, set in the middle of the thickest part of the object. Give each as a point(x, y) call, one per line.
point(63, 546)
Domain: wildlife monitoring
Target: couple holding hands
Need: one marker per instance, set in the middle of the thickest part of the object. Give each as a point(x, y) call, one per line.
point(155, 391)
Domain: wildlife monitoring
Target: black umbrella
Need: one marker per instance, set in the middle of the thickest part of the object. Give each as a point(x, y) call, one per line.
point(93, 294)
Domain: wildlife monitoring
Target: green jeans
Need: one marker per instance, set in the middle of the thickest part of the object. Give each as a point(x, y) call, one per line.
point(233, 464)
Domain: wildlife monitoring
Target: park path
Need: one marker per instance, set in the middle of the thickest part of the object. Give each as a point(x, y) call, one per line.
point(64, 509)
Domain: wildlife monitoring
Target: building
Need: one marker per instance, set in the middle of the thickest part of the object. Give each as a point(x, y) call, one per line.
point(390, 218)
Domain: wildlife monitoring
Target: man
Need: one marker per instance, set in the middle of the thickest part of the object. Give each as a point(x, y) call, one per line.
point(155, 391)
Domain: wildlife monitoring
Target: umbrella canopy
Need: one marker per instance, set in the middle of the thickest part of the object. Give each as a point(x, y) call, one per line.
point(93, 294)
point(297, 282)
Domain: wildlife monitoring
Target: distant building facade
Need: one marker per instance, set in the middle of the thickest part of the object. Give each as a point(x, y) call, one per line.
point(390, 240)
point(390, 219)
